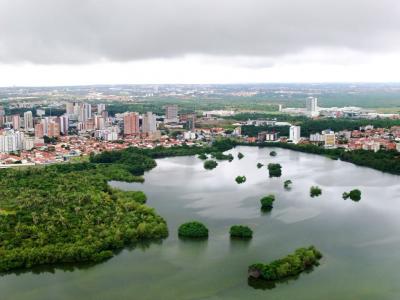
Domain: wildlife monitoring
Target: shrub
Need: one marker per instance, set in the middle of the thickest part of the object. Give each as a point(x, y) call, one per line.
point(193, 229)
point(210, 164)
point(315, 191)
point(267, 202)
point(275, 170)
point(354, 195)
point(202, 156)
point(287, 184)
point(260, 165)
point(240, 179)
point(240, 231)
point(240, 155)
point(272, 153)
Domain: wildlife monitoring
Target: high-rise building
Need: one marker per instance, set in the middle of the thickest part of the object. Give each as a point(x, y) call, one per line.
point(16, 122)
point(294, 134)
point(11, 140)
point(100, 108)
point(99, 122)
point(84, 112)
point(28, 121)
point(171, 113)
point(149, 124)
point(131, 123)
point(2, 116)
point(53, 129)
point(39, 130)
point(88, 110)
point(64, 124)
point(69, 107)
point(190, 121)
point(312, 106)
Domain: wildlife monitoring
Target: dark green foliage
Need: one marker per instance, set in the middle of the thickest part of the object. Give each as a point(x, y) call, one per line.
point(302, 259)
point(259, 165)
point(287, 184)
point(193, 229)
point(221, 156)
point(240, 155)
point(267, 202)
point(210, 164)
point(68, 213)
point(354, 195)
point(272, 153)
point(315, 191)
point(240, 179)
point(202, 156)
point(240, 231)
point(275, 170)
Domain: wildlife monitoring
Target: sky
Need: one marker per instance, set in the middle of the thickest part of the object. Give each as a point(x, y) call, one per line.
point(77, 42)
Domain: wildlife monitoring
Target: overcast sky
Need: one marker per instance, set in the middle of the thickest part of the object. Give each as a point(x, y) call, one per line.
point(63, 42)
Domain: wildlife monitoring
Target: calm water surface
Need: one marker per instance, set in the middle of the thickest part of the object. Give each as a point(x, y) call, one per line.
point(360, 241)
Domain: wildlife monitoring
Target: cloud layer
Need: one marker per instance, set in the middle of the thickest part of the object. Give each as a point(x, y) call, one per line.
point(90, 31)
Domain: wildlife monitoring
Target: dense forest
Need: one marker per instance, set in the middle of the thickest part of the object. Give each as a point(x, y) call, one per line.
point(68, 213)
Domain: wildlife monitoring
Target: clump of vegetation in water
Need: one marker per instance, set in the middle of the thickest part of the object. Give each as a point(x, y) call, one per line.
point(301, 260)
point(260, 165)
point(287, 184)
point(221, 156)
point(275, 170)
point(240, 155)
point(267, 202)
point(210, 164)
point(193, 229)
point(240, 231)
point(240, 179)
point(315, 191)
point(354, 195)
point(272, 153)
point(202, 156)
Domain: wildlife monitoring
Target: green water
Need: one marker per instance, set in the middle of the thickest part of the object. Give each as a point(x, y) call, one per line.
point(360, 241)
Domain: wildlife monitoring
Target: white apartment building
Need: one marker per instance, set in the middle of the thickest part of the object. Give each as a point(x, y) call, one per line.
point(294, 134)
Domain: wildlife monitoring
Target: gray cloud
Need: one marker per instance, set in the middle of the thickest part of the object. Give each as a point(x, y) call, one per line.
point(82, 31)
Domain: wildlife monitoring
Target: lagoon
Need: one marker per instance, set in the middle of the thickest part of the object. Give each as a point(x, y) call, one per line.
point(359, 240)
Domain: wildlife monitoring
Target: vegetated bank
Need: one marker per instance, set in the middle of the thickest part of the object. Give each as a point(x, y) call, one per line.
point(68, 213)
point(385, 161)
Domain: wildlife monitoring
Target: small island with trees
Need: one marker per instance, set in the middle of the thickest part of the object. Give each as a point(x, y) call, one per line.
point(315, 191)
point(241, 232)
point(354, 195)
point(273, 153)
point(210, 164)
point(260, 165)
point(301, 260)
point(240, 179)
point(193, 229)
point(267, 202)
point(275, 170)
point(240, 155)
point(221, 156)
point(287, 184)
